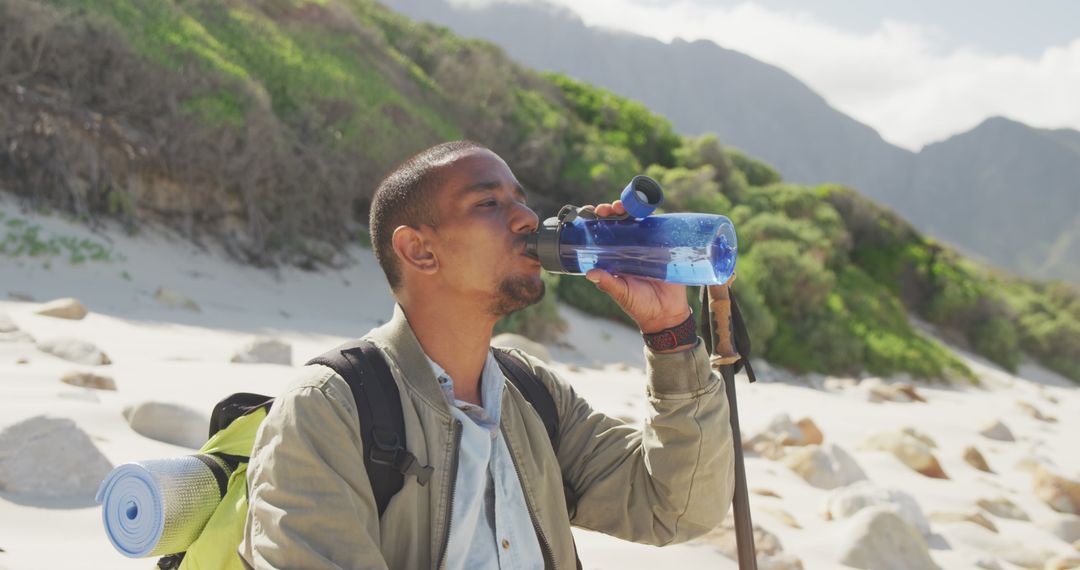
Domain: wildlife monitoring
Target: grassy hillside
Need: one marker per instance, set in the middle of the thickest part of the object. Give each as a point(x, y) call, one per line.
point(265, 125)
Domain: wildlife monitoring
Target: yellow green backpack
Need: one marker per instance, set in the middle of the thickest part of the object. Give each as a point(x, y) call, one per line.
point(236, 419)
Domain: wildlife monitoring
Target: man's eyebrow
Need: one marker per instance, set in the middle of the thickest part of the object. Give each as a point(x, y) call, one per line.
point(489, 185)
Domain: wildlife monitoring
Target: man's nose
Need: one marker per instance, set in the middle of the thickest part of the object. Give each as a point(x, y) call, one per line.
point(524, 220)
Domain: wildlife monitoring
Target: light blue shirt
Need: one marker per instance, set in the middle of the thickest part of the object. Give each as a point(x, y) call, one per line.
point(490, 526)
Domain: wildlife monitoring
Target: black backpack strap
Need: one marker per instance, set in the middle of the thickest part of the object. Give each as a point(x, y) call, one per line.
point(534, 391)
point(382, 423)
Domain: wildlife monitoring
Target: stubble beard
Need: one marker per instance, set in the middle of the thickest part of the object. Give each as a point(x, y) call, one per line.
point(516, 293)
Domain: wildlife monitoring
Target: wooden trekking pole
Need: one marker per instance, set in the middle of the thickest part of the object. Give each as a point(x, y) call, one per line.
point(719, 328)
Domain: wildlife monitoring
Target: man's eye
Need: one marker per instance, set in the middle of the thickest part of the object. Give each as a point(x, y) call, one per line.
point(488, 203)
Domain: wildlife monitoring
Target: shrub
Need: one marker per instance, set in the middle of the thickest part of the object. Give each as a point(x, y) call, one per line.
point(757, 173)
point(687, 190)
point(796, 283)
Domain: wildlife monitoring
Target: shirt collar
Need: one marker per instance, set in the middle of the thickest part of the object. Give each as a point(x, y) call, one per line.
point(491, 389)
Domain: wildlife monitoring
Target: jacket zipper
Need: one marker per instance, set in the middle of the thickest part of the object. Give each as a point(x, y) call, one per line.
point(456, 431)
point(545, 547)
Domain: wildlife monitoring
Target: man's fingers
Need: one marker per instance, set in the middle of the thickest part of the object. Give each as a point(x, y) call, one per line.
point(608, 283)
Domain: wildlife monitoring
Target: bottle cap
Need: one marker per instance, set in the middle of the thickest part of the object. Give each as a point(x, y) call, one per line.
point(641, 196)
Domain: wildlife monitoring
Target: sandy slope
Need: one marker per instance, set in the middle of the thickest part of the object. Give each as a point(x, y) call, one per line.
point(171, 354)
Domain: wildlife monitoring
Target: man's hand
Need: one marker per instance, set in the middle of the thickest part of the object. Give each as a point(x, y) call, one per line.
point(654, 305)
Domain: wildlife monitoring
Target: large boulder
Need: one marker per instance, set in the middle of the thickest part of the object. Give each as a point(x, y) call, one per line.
point(1063, 495)
point(171, 423)
point(265, 351)
point(74, 350)
point(878, 539)
point(66, 308)
point(910, 450)
point(51, 458)
point(88, 380)
point(524, 344)
point(997, 431)
point(825, 466)
point(843, 503)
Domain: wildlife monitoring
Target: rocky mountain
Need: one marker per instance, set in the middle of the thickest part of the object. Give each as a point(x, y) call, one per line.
point(702, 87)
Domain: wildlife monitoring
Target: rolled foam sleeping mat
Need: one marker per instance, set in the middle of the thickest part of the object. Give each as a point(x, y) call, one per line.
point(158, 507)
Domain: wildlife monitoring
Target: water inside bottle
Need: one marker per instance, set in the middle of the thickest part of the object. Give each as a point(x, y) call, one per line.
point(706, 265)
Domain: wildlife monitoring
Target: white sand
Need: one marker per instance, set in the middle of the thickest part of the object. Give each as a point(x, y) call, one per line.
point(176, 355)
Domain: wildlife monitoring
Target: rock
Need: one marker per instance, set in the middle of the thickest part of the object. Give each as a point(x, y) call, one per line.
point(770, 554)
point(929, 441)
point(999, 545)
point(764, 445)
point(832, 384)
point(765, 492)
point(1034, 412)
point(6, 324)
point(907, 389)
point(1063, 495)
point(782, 432)
point(825, 466)
point(171, 423)
point(1063, 562)
point(975, 459)
point(877, 538)
point(1004, 508)
point(171, 298)
point(50, 457)
point(66, 308)
point(971, 517)
point(16, 336)
point(88, 380)
point(782, 516)
point(843, 503)
point(997, 430)
point(986, 563)
point(525, 344)
point(74, 350)
point(811, 434)
point(22, 360)
point(20, 296)
point(265, 351)
point(877, 390)
point(908, 449)
point(1065, 527)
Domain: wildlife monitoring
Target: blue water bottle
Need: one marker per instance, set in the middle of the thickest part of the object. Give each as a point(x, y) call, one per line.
point(691, 249)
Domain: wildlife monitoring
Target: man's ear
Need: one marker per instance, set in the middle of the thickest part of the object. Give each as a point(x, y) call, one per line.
point(412, 247)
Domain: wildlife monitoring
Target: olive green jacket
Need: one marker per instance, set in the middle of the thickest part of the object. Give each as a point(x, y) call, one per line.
point(311, 504)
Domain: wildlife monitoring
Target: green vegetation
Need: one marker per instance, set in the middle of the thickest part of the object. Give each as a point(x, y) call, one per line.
point(22, 238)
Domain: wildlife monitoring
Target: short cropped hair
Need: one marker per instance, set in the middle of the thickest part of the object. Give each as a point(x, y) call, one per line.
point(406, 198)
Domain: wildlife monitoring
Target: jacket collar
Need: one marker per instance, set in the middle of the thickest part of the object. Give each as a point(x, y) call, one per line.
point(403, 351)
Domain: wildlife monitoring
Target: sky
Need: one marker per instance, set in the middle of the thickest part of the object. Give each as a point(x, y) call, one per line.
point(917, 71)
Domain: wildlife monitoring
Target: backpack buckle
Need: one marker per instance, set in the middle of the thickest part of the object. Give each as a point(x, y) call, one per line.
point(388, 452)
